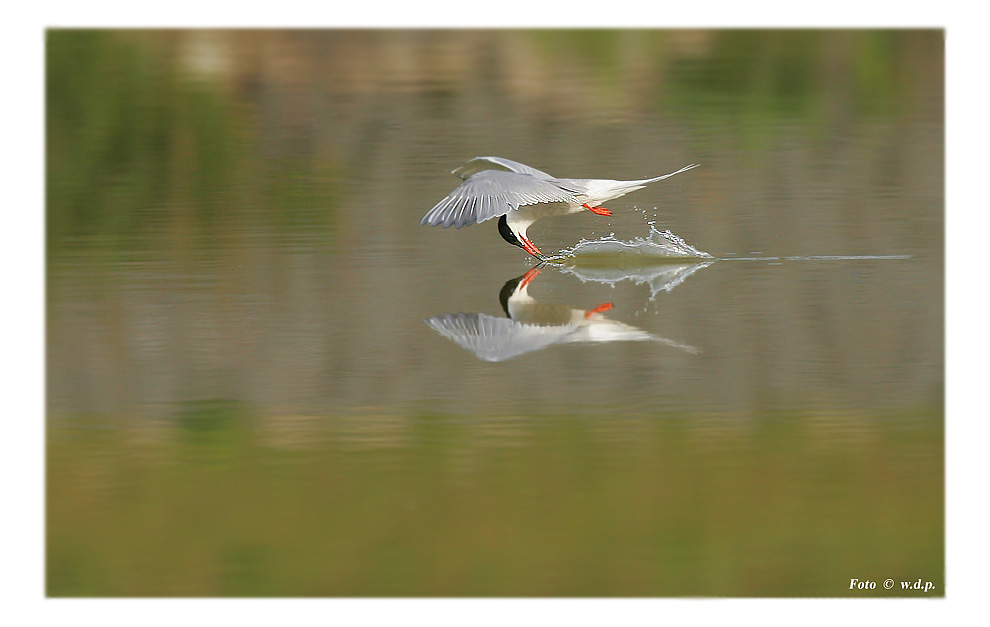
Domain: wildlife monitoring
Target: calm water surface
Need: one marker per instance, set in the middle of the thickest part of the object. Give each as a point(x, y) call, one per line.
point(265, 378)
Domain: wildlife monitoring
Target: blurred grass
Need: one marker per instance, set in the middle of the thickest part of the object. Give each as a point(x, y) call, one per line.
point(140, 146)
point(139, 150)
point(637, 507)
point(127, 139)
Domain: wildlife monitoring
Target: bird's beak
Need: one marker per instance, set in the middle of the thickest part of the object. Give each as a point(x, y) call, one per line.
point(531, 248)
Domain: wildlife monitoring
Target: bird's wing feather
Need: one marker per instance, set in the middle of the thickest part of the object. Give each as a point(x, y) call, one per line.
point(479, 164)
point(497, 339)
point(493, 193)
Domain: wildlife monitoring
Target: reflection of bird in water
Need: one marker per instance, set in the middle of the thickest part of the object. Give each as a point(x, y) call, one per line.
point(532, 325)
point(519, 195)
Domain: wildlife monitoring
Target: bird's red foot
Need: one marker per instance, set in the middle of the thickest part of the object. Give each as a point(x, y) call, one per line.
point(602, 211)
point(598, 309)
point(529, 246)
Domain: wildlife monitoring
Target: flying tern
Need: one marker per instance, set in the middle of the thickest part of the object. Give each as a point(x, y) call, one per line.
point(519, 195)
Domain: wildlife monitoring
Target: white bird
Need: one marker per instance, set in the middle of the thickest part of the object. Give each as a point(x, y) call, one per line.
point(532, 325)
point(519, 195)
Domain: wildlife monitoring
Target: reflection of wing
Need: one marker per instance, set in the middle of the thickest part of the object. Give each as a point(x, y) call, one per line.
point(497, 163)
point(493, 193)
point(496, 339)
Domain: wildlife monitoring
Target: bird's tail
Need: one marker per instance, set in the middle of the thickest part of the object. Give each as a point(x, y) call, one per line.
point(607, 190)
point(665, 176)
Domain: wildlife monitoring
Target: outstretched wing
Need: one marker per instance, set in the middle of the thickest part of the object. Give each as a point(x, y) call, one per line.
point(493, 193)
point(479, 164)
point(496, 339)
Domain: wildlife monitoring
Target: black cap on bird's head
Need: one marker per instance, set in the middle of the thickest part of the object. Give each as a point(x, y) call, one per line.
point(507, 291)
point(507, 234)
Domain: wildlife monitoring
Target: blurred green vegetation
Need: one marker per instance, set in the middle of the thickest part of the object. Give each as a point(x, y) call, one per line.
point(642, 507)
point(138, 149)
point(767, 78)
point(127, 139)
point(792, 73)
point(774, 71)
point(140, 146)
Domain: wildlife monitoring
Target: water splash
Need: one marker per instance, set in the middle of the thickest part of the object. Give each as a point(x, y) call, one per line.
point(661, 259)
point(657, 246)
